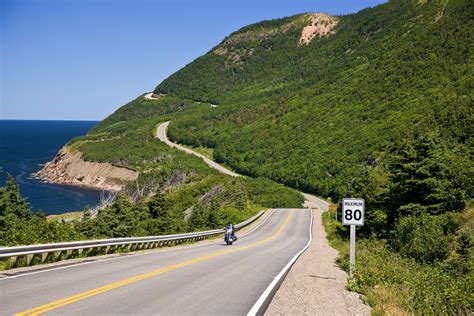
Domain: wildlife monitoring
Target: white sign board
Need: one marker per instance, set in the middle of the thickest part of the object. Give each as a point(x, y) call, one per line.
point(353, 212)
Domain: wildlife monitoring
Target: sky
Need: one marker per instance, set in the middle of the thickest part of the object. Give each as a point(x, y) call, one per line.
point(83, 59)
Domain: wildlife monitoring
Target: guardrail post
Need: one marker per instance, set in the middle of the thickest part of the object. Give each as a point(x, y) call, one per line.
point(44, 255)
point(29, 258)
point(12, 262)
point(62, 255)
point(55, 255)
point(75, 253)
point(85, 252)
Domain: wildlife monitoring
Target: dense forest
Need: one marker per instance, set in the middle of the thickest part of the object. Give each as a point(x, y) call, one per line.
point(380, 108)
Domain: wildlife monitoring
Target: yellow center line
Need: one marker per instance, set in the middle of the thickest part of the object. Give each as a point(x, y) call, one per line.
point(74, 298)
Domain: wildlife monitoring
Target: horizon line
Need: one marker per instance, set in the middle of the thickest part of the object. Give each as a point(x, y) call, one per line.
point(52, 120)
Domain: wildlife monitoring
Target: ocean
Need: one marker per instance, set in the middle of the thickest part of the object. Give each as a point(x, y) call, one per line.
point(25, 146)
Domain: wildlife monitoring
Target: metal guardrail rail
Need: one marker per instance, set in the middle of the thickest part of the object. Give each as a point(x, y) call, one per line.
point(37, 254)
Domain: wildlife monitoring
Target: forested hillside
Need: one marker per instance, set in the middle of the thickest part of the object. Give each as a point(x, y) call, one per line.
point(320, 116)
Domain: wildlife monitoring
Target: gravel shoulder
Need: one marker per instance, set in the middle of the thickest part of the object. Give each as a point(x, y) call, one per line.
point(315, 284)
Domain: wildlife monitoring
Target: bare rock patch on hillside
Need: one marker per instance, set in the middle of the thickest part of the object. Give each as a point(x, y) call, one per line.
point(320, 24)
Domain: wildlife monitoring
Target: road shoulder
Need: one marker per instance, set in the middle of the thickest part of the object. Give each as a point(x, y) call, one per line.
point(315, 284)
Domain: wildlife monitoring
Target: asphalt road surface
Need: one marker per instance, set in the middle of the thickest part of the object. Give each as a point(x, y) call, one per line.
point(205, 279)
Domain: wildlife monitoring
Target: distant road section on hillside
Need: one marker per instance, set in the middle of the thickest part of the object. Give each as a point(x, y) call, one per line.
point(311, 201)
point(161, 135)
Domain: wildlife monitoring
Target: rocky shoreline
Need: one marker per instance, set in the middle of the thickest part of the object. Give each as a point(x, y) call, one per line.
point(69, 168)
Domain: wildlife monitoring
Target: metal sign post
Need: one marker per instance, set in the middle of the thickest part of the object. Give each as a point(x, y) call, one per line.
point(353, 214)
point(352, 251)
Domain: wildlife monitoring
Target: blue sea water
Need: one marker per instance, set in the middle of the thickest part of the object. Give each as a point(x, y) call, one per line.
point(25, 146)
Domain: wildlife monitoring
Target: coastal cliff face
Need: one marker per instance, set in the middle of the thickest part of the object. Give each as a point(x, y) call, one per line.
point(68, 167)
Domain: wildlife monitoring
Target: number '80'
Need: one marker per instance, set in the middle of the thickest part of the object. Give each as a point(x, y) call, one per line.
point(349, 215)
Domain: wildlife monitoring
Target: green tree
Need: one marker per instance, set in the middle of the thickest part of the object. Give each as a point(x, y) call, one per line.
point(11, 201)
point(428, 177)
point(158, 205)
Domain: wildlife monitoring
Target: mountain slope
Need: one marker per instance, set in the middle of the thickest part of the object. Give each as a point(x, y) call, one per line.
point(317, 116)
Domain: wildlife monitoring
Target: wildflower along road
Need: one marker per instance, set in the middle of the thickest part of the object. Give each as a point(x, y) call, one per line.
point(206, 279)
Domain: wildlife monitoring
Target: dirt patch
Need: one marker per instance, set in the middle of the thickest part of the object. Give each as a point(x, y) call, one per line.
point(152, 96)
point(68, 167)
point(320, 24)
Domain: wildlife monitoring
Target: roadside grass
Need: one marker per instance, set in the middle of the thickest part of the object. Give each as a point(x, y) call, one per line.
point(208, 153)
point(393, 284)
point(67, 217)
point(205, 151)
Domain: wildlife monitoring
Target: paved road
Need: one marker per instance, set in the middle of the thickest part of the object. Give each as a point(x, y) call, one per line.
point(311, 201)
point(206, 279)
point(161, 135)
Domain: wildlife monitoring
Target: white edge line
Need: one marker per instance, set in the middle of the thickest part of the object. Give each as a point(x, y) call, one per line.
point(261, 300)
point(129, 256)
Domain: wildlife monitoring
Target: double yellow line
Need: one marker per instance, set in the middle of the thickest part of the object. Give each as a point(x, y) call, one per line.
point(71, 299)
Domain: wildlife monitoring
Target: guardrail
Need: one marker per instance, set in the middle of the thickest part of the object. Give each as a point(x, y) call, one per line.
point(47, 253)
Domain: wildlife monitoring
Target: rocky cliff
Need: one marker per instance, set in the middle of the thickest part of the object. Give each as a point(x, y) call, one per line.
point(68, 167)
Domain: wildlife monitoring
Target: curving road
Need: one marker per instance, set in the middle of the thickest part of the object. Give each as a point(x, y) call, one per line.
point(206, 279)
point(161, 135)
point(311, 201)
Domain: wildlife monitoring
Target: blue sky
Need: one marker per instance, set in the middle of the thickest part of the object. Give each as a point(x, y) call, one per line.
point(82, 59)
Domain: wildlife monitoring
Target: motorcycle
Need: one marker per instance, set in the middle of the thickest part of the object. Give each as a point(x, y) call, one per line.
point(229, 237)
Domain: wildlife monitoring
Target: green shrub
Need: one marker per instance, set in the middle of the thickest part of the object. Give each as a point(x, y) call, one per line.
point(398, 284)
point(425, 238)
point(273, 195)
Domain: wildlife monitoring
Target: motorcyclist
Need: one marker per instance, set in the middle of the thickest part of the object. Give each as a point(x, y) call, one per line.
point(232, 228)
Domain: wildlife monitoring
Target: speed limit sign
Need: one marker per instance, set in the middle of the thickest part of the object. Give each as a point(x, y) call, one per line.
point(353, 212)
point(353, 215)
